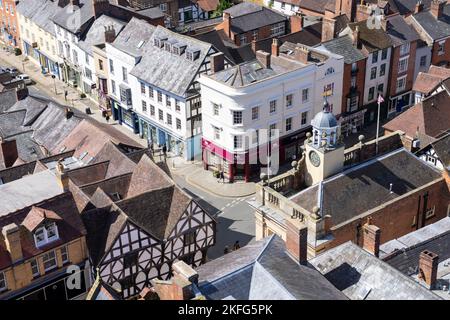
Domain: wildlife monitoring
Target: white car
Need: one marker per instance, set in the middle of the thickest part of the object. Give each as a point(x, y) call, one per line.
point(26, 78)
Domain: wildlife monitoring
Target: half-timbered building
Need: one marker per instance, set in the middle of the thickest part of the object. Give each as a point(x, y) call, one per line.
point(437, 153)
point(139, 223)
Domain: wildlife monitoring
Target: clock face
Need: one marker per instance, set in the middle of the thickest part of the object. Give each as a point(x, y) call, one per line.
point(314, 158)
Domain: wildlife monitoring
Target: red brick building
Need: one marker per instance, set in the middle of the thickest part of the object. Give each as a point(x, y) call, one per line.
point(9, 29)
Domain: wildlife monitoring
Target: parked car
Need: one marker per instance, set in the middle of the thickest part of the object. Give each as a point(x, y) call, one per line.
point(12, 70)
point(26, 78)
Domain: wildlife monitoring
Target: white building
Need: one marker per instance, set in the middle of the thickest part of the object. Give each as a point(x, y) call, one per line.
point(282, 6)
point(280, 92)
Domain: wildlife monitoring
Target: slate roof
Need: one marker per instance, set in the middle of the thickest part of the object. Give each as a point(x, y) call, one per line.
point(435, 28)
point(400, 32)
point(168, 71)
point(247, 16)
point(7, 100)
point(442, 149)
point(318, 5)
point(96, 33)
point(153, 13)
point(343, 46)
point(263, 271)
point(364, 187)
point(372, 39)
point(407, 6)
point(74, 18)
point(426, 83)
point(362, 276)
point(430, 117)
point(133, 33)
point(213, 37)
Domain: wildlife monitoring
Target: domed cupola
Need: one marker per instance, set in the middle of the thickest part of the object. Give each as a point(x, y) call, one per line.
point(326, 129)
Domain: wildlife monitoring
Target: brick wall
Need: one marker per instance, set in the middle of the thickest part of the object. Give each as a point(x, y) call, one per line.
point(437, 59)
point(360, 81)
point(392, 90)
point(396, 218)
point(12, 18)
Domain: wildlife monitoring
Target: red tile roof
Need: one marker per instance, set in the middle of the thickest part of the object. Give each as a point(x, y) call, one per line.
point(36, 216)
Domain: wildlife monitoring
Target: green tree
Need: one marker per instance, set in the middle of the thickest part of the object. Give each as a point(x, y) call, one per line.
point(223, 5)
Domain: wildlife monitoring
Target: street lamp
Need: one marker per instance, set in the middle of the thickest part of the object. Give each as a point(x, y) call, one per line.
point(379, 101)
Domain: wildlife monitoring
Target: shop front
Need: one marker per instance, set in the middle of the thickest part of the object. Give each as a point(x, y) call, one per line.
point(352, 122)
point(125, 116)
point(399, 103)
point(291, 145)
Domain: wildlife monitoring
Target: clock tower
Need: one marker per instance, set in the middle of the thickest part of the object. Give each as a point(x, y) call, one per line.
point(324, 148)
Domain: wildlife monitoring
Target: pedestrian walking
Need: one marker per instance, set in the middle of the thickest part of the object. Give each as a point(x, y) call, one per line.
point(152, 149)
point(164, 149)
point(222, 176)
point(236, 246)
point(107, 118)
point(226, 250)
point(65, 94)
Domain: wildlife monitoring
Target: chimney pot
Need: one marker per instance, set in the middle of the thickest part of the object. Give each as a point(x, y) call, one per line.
point(371, 238)
point(302, 54)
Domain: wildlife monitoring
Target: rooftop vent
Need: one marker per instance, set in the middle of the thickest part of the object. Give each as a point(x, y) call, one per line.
point(178, 48)
point(140, 44)
point(192, 54)
point(159, 41)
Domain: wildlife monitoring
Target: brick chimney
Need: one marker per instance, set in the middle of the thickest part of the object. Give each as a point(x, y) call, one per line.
point(75, 2)
point(100, 7)
point(61, 176)
point(110, 34)
point(8, 152)
point(297, 241)
point(11, 234)
point(371, 238)
point(296, 22)
point(217, 61)
point(419, 7)
point(328, 27)
point(437, 8)
point(302, 54)
point(180, 287)
point(227, 24)
point(264, 58)
point(428, 267)
point(275, 47)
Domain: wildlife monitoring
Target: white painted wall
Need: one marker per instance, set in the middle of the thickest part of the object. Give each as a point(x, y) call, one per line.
point(369, 83)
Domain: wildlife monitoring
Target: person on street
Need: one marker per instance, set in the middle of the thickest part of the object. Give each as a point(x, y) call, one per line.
point(226, 250)
point(107, 118)
point(65, 94)
point(236, 246)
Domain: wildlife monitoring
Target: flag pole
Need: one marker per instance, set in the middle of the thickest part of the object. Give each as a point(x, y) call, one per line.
point(378, 123)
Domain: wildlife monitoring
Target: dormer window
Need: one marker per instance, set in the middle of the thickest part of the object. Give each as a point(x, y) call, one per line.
point(167, 46)
point(192, 54)
point(46, 234)
point(157, 42)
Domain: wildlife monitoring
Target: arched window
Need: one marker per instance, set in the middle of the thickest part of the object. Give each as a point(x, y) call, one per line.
point(329, 71)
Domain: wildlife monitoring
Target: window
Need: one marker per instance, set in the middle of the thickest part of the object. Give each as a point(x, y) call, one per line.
point(125, 96)
point(159, 96)
point(87, 58)
point(305, 95)
point(100, 64)
point(111, 66)
point(49, 260)
point(381, 88)
point(304, 117)
point(277, 29)
point(373, 73)
point(375, 57)
point(288, 124)
point(168, 101)
point(113, 86)
point(152, 110)
point(289, 100)
point(243, 39)
point(150, 93)
point(3, 286)
point(401, 84)
point(143, 88)
point(237, 142)
point(178, 124)
point(163, 7)
point(88, 73)
point(404, 49)
point(160, 114)
point(283, 5)
point(216, 108)
point(75, 56)
point(169, 119)
point(46, 234)
point(124, 74)
point(130, 259)
point(441, 48)
point(177, 105)
point(371, 93)
point(403, 65)
point(216, 133)
point(353, 82)
point(273, 106)
point(383, 69)
point(255, 35)
point(423, 61)
point(237, 117)
point(429, 213)
point(144, 106)
point(353, 103)
point(34, 268)
point(255, 113)
point(64, 255)
point(272, 129)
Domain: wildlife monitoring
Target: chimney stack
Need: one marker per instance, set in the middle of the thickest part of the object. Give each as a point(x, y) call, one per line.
point(419, 7)
point(371, 238)
point(355, 36)
point(110, 34)
point(227, 23)
point(217, 62)
point(437, 8)
point(297, 242)
point(75, 2)
point(8, 152)
point(296, 22)
point(100, 7)
point(264, 58)
point(61, 175)
point(11, 234)
point(275, 47)
point(328, 26)
point(428, 267)
point(302, 54)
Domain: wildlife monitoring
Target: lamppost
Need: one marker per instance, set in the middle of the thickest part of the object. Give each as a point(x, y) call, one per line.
point(379, 101)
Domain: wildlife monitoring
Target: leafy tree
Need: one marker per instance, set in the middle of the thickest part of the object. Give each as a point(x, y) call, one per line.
point(223, 5)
